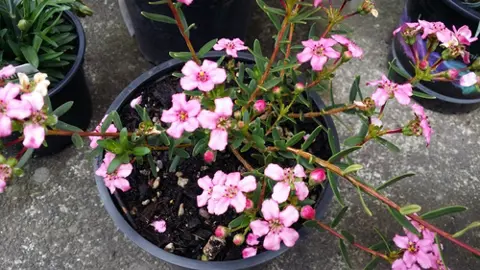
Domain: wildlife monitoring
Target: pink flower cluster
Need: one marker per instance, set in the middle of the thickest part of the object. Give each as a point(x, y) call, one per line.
point(117, 179)
point(203, 77)
point(225, 190)
point(218, 122)
point(387, 89)
point(418, 252)
point(287, 179)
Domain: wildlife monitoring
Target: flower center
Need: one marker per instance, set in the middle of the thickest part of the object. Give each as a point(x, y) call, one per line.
point(202, 76)
point(318, 50)
point(231, 45)
point(183, 116)
point(290, 176)
point(38, 117)
point(390, 87)
point(231, 192)
point(223, 123)
point(275, 225)
point(3, 106)
point(5, 171)
point(412, 247)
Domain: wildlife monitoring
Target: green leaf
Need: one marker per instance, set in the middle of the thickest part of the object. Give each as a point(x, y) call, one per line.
point(439, 245)
point(384, 239)
point(116, 162)
point(394, 180)
point(141, 151)
point(271, 83)
point(25, 157)
point(354, 89)
point(77, 140)
point(158, 17)
point(334, 184)
point(398, 70)
point(339, 217)
point(206, 48)
point(444, 211)
point(331, 141)
point(353, 141)
point(280, 144)
point(312, 224)
point(152, 164)
point(181, 153)
point(240, 221)
point(307, 201)
point(30, 55)
point(362, 201)
point(116, 120)
point(372, 264)
point(348, 236)
point(174, 164)
point(312, 31)
point(259, 141)
point(295, 138)
point(352, 168)
point(410, 209)
point(184, 56)
point(200, 147)
point(343, 250)
point(311, 138)
point(402, 220)
point(422, 95)
point(64, 126)
point(392, 147)
point(63, 109)
point(338, 156)
point(472, 225)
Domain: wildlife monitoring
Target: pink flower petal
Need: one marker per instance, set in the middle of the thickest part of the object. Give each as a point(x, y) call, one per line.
point(218, 139)
point(239, 202)
point(259, 227)
point(219, 178)
point(289, 236)
point(301, 190)
point(193, 108)
point(401, 241)
point(9, 92)
point(305, 55)
point(169, 116)
point(191, 124)
point(224, 106)
point(249, 252)
point(122, 184)
point(233, 179)
point(205, 183)
point(5, 126)
point(135, 101)
point(399, 264)
point(252, 239)
point(208, 119)
point(299, 171)
point(380, 96)
point(222, 206)
point(208, 65)
point(218, 192)
point(34, 135)
point(409, 258)
point(317, 62)
point(270, 210)
point(218, 75)
point(272, 241)
point(205, 86)
point(124, 170)
point(288, 216)
point(188, 83)
point(402, 97)
point(468, 79)
point(275, 172)
point(34, 99)
point(159, 226)
point(247, 184)
point(175, 130)
point(203, 198)
point(190, 68)
point(18, 109)
point(316, 3)
point(281, 191)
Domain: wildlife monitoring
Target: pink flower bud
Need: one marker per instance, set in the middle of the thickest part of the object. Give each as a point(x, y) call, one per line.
point(423, 64)
point(277, 90)
point(260, 106)
point(452, 74)
point(299, 86)
point(347, 55)
point(318, 176)
point(249, 204)
point(221, 232)
point(307, 212)
point(209, 157)
point(238, 239)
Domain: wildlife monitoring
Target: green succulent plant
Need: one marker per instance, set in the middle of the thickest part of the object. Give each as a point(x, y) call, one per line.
point(37, 32)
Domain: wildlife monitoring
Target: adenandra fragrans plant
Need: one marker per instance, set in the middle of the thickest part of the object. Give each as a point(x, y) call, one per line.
point(227, 106)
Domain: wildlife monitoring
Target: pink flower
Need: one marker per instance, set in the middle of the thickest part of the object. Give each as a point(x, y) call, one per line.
point(186, 2)
point(408, 29)
point(34, 135)
point(260, 106)
point(3, 185)
point(387, 89)
point(5, 174)
point(436, 259)
point(117, 178)
point(221, 232)
point(356, 51)
point(94, 139)
point(276, 225)
point(416, 250)
point(376, 122)
point(10, 108)
point(307, 212)
point(231, 46)
point(316, 3)
point(468, 79)
point(399, 264)
point(249, 252)
point(218, 122)
point(450, 41)
point(287, 178)
point(424, 123)
point(182, 115)
point(232, 193)
point(159, 225)
point(252, 239)
point(431, 28)
point(207, 184)
point(318, 175)
point(464, 35)
point(318, 52)
point(7, 71)
point(202, 77)
point(135, 101)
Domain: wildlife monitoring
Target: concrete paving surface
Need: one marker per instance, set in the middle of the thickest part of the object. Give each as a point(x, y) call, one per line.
point(53, 218)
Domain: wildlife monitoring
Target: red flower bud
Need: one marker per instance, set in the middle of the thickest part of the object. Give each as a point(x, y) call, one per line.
point(452, 74)
point(423, 64)
point(277, 90)
point(307, 212)
point(221, 232)
point(209, 157)
point(318, 176)
point(238, 239)
point(249, 204)
point(260, 106)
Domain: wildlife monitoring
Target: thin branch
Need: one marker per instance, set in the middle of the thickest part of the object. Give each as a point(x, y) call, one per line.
point(164, 148)
point(323, 112)
point(241, 159)
point(83, 133)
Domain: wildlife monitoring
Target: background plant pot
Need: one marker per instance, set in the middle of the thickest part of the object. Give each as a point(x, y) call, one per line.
point(450, 97)
point(114, 206)
point(72, 88)
point(212, 18)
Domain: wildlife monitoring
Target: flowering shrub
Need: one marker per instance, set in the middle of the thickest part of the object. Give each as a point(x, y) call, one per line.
point(230, 106)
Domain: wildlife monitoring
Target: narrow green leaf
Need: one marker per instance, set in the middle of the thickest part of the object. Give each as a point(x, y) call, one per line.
point(312, 224)
point(206, 48)
point(116, 162)
point(331, 141)
point(30, 55)
point(237, 222)
point(392, 147)
point(174, 164)
point(271, 83)
point(339, 217)
point(354, 89)
point(200, 147)
point(77, 140)
point(338, 156)
point(343, 250)
point(394, 180)
point(295, 138)
point(352, 168)
point(362, 201)
point(384, 239)
point(141, 151)
point(353, 141)
point(348, 236)
point(444, 211)
point(372, 264)
point(63, 108)
point(410, 209)
point(312, 31)
point(259, 141)
point(422, 95)
point(398, 70)
point(311, 138)
point(402, 220)
point(439, 245)
point(334, 184)
point(26, 156)
point(116, 120)
point(158, 17)
point(472, 225)
point(64, 126)
point(153, 165)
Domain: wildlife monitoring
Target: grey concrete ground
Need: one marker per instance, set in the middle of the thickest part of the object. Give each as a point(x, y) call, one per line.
point(53, 218)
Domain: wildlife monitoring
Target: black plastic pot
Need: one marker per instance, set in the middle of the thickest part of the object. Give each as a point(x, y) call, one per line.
point(72, 88)
point(450, 97)
point(212, 18)
point(114, 206)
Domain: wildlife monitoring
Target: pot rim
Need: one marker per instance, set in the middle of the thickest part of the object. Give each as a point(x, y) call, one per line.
point(122, 224)
point(79, 56)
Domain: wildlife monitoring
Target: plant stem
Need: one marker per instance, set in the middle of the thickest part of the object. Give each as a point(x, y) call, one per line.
point(364, 248)
point(18, 140)
point(333, 168)
point(289, 47)
point(241, 159)
point(83, 133)
point(182, 31)
point(437, 63)
point(323, 112)
point(164, 148)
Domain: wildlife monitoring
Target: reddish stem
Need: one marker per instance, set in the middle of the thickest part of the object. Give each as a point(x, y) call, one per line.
point(17, 140)
point(437, 63)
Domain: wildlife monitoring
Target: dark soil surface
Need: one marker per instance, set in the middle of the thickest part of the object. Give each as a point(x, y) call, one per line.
point(148, 201)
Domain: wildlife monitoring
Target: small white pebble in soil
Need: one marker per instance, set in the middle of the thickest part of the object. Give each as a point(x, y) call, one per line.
point(155, 119)
point(156, 183)
point(159, 194)
point(154, 199)
point(159, 164)
point(147, 201)
point(179, 174)
point(181, 210)
point(182, 182)
point(169, 248)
